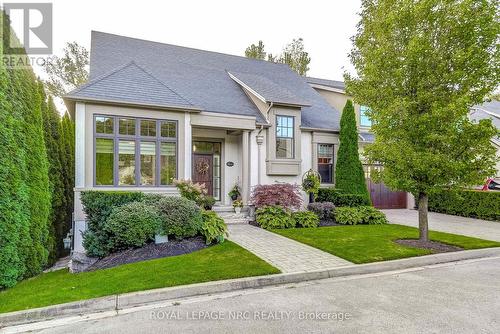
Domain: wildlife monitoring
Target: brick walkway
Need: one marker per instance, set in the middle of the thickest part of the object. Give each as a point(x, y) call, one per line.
point(285, 254)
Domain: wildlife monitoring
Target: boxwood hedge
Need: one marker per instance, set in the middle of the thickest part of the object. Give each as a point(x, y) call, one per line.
point(467, 203)
point(340, 198)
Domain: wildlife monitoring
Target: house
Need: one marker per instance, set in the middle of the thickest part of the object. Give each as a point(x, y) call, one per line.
point(151, 113)
point(382, 197)
point(489, 110)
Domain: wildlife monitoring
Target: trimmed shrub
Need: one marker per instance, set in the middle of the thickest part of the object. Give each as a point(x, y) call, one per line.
point(180, 217)
point(467, 203)
point(305, 219)
point(275, 216)
point(359, 215)
point(324, 210)
point(349, 174)
point(348, 216)
point(213, 229)
point(339, 198)
point(286, 195)
point(131, 225)
point(98, 205)
point(372, 216)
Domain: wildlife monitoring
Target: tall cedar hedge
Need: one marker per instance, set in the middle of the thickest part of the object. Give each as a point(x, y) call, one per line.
point(56, 158)
point(27, 232)
point(349, 175)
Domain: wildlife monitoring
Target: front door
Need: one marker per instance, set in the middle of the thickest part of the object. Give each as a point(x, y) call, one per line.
point(203, 171)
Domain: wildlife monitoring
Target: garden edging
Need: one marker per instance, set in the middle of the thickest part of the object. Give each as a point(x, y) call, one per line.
point(134, 299)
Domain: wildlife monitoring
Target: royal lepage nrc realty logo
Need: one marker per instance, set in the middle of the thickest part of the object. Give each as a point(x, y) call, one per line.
point(32, 24)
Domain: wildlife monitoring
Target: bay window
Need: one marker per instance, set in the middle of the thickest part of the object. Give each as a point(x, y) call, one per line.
point(285, 137)
point(134, 152)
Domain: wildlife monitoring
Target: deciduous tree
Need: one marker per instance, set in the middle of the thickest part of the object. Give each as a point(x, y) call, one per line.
point(69, 71)
point(420, 66)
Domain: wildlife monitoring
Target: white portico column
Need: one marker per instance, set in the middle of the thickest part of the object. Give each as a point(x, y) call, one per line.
point(245, 166)
point(188, 146)
point(260, 140)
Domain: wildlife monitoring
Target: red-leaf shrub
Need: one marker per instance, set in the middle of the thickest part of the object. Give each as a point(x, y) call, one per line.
point(286, 195)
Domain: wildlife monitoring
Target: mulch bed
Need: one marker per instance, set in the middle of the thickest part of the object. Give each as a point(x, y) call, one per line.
point(149, 252)
point(321, 223)
point(433, 246)
point(254, 223)
point(328, 223)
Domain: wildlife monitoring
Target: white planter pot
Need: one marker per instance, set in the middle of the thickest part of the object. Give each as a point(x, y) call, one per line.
point(237, 210)
point(161, 239)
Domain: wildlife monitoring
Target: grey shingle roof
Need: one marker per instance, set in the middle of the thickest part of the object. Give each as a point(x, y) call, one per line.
point(326, 82)
point(367, 137)
point(487, 110)
point(201, 77)
point(268, 89)
point(130, 84)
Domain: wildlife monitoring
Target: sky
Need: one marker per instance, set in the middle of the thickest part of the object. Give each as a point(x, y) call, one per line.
point(217, 25)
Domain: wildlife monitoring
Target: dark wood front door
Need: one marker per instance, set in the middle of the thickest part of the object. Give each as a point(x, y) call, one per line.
point(203, 170)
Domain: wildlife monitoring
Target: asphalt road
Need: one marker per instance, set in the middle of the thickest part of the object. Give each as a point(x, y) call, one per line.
point(453, 298)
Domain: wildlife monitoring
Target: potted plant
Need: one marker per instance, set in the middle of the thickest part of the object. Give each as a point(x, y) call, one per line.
point(311, 182)
point(234, 193)
point(237, 205)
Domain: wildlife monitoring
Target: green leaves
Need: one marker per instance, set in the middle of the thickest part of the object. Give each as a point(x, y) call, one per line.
point(420, 67)
point(214, 228)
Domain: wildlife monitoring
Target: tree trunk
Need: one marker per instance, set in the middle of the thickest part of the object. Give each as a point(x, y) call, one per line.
point(311, 198)
point(423, 223)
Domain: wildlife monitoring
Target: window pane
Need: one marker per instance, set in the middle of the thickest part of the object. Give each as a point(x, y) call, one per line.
point(363, 119)
point(168, 129)
point(203, 147)
point(284, 148)
point(148, 128)
point(148, 163)
point(168, 163)
point(127, 126)
point(104, 149)
point(326, 172)
point(284, 137)
point(104, 125)
point(325, 162)
point(126, 162)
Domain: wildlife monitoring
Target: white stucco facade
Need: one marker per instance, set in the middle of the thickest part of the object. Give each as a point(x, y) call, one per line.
point(247, 151)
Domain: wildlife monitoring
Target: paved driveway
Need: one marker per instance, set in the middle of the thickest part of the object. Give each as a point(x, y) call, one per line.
point(478, 228)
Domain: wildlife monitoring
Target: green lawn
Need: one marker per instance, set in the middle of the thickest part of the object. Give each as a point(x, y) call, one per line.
point(371, 243)
point(223, 261)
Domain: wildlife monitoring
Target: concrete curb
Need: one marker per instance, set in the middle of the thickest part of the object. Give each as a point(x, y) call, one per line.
point(130, 300)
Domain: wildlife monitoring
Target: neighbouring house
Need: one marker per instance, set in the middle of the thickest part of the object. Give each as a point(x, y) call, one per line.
point(151, 113)
point(489, 110)
point(334, 93)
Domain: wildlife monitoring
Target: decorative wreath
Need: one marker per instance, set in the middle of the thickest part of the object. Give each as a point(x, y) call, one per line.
point(202, 166)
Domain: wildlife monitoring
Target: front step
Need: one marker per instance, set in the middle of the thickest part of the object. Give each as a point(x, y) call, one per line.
point(233, 218)
point(221, 208)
